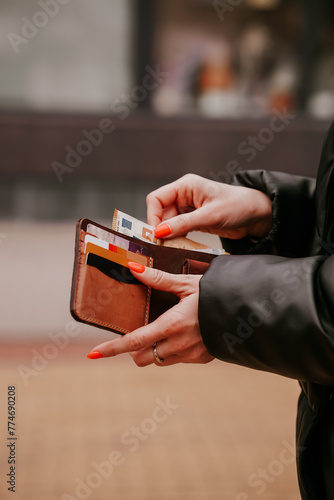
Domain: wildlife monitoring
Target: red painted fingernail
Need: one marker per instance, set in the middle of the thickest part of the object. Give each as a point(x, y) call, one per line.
point(94, 355)
point(162, 231)
point(137, 268)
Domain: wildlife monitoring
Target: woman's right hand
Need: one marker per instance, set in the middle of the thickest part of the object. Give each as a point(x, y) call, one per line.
point(194, 203)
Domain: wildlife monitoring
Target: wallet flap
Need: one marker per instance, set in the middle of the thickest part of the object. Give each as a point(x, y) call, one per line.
point(191, 266)
point(108, 297)
point(110, 303)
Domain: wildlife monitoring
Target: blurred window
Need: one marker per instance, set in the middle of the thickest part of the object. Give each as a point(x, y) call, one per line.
point(244, 58)
point(67, 55)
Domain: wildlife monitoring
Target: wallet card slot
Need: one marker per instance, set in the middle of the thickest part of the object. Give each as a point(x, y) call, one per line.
point(105, 302)
point(112, 269)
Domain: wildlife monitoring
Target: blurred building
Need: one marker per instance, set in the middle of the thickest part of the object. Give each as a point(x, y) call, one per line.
point(101, 102)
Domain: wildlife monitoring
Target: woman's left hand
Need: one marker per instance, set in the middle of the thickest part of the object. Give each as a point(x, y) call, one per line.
point(176, 332)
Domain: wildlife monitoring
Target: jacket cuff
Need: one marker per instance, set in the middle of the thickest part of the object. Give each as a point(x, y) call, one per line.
point(292, 199)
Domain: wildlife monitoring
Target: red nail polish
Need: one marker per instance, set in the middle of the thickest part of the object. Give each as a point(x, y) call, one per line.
point(94, 355)
point(137, 268)
point(162, 231)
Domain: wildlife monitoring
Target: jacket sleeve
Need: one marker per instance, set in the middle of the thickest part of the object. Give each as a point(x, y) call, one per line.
point(271, 313)
point(275, 311)
point(293, 214)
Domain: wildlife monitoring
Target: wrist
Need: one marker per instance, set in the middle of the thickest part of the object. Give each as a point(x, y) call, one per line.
point(262, 218)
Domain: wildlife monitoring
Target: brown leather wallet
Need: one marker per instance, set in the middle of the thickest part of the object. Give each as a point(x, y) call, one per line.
point(120, 305)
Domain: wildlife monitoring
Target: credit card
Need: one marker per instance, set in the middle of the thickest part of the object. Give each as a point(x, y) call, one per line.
point(136, 257)
point(96, 241)
point(117, 240)
point(112, 269)
point(113, 256)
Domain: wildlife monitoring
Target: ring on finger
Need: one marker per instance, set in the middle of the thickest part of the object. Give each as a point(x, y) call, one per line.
point(156, 355)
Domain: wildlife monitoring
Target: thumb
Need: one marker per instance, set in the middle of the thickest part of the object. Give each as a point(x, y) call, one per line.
point(159, 280)
point(182, 224)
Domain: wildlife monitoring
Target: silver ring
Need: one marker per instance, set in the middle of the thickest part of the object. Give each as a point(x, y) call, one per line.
point(157, 357)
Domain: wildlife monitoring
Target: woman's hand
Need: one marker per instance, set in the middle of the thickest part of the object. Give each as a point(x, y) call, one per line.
point(194, 203)
point(176, 332)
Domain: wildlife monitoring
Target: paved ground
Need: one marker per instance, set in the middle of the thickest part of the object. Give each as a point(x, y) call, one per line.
point(101, 430)
point(108, 430)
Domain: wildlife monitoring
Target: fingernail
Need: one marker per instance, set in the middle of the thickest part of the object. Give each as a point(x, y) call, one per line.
point(162, 231)
point(137, 268)
point(94, 355)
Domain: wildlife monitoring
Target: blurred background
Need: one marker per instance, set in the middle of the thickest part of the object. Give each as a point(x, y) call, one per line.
point(100, 103)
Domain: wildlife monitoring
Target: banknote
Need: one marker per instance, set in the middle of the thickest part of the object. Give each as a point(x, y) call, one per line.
point(130, 226)
point(189, 244)
point(125, 224)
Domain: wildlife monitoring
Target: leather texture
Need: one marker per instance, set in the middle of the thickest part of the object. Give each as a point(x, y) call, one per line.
point(101, 301)
point(270, 306)
point(191, 266)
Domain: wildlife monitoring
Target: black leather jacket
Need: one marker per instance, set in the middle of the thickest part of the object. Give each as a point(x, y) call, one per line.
point(270, 306)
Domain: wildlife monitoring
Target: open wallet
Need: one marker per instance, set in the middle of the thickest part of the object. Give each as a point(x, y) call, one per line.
point(104, 292)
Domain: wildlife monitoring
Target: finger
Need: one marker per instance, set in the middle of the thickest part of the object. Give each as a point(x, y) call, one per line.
point(177, 284)
point(158, 201)
point(191, 355)
point(195, 354)
point(169, 212)
point(146, 357)
point(177, 194)
point(164, 214)
point(183, 223)
point(141, 338)
point(172, 360)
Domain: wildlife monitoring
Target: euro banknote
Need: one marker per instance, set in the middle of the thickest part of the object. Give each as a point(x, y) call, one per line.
point(130, 226)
